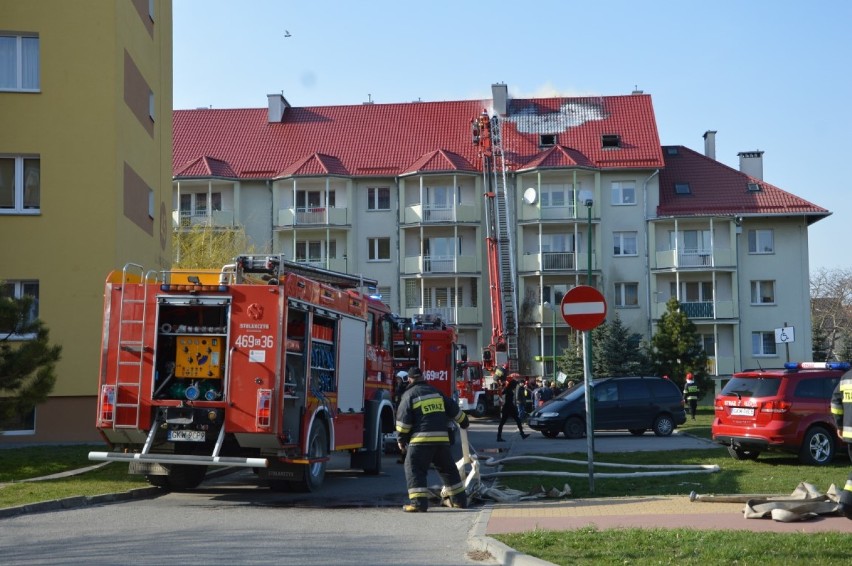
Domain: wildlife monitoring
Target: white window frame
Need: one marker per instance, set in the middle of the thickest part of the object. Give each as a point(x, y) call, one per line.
point(324, 251)
point(374, 249)
point(692, 291)
point(376, 196)
point(20, 182)
point(759, 290)
point(622, 294)
point(761, 241)
point(760, 339)
point(623, 193)
point(16, 59)
point(619, 240)
point(556, 195)
point(18, 289)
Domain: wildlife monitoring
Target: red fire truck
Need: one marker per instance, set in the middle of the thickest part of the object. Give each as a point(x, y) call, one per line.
point(264, 365)
point(428, 343)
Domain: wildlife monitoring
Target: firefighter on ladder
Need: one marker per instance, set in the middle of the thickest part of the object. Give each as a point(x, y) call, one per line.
point(841, 408)
point(422, 425)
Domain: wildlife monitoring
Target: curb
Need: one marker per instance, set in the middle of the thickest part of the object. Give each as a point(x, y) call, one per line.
point(502, 553)
point(89, 500)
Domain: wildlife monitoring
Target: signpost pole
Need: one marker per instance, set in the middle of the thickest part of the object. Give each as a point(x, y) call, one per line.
point(590, 427)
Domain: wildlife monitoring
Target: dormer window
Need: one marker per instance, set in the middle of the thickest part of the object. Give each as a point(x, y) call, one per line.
point(671, 151)
point(682, 189)
point(753, 188)
point(610, 140)
point(546, 140)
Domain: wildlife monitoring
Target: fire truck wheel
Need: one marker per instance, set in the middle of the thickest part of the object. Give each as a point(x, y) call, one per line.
point(317, 448)
point(480, 409)
point(183, 477)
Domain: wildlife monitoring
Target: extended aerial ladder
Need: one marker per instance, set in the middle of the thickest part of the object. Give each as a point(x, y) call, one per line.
point(499, 244)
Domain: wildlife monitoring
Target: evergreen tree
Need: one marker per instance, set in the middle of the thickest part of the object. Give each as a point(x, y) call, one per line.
point(27, 366)
point(845, 353)
point(615, 352)
point(571, 362)
point(819, 343)
point(675, 350)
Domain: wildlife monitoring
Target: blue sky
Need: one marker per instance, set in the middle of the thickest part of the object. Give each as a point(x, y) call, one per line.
point(769, 75)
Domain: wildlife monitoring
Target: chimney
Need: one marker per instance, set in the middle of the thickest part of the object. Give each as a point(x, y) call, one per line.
point(277, 105)
point(500, 98)
point(710, 144)
point(751, 163)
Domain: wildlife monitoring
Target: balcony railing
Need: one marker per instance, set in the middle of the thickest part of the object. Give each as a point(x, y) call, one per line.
point(417, 213)
point(555, 261)
point(701, 309)
point(566, 212)
point(440, 264)
point(313, 216)
point(216, 219)
point(450, 315)
point(698, 309)
point(694, 258)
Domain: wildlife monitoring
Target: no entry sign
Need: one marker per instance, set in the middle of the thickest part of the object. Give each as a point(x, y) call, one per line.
point(583, 308)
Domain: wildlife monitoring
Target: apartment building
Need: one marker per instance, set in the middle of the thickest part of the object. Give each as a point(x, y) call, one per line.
point(395, 191)
point(85, 178)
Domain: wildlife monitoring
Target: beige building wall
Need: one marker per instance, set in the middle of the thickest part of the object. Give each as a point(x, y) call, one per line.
point(105, 186)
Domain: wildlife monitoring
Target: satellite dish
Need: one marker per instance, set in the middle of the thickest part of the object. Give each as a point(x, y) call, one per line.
point(530, 196)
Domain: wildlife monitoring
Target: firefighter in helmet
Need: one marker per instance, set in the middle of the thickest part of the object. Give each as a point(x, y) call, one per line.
point(690, 394)
point(422, 425)
point(841, 409)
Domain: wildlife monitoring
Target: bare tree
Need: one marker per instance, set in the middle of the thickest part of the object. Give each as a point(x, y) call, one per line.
point(831, 308)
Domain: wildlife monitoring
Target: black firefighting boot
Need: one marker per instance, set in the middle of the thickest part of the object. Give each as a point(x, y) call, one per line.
point(419, 505)
point(459, 501)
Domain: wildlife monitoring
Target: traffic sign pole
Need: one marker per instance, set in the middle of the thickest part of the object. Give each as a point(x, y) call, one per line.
point(584, 308)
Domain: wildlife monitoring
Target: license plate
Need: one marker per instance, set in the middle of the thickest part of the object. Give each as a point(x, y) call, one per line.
point(742, 411)
point(532, 422)
point(185, 435)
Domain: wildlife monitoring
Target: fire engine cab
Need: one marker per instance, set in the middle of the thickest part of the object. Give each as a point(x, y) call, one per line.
point(268, 364)
point(427, 342)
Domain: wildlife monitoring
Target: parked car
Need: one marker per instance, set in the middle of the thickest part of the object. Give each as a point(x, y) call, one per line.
point(780, 409)
point(621, 403)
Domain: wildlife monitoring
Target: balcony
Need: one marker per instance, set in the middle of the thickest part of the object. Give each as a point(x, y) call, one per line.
point(555, 261)
point(216, 219)
point(440, 264)
point(325, 263)
point(535, 214)
point(720, 366)
point(313, 216)
point(450, 315)
point(435, 214)
point(697, 310)
point(694, 258)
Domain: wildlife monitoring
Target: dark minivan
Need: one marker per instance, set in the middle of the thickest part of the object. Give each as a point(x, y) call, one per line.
point(632, 403)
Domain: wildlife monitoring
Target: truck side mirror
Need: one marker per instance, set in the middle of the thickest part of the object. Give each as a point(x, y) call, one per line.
point(462, 352)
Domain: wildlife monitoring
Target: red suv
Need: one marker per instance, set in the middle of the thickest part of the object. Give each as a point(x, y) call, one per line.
point(782, 409)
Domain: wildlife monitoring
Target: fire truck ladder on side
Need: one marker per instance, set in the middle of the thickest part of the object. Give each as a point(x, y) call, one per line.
point(505, 246)
point(131, 345)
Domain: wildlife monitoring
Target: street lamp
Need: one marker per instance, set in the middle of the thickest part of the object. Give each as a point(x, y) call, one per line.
point(587, 198)
point(553, 312)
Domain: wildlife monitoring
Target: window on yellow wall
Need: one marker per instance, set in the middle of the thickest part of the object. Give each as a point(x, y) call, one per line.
point(20, 184)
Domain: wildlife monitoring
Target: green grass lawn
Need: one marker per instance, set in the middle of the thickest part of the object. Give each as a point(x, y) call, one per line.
point(775, 473)
point(17, 464)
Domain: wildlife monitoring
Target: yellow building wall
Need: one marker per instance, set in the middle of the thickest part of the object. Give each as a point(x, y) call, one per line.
point(81, 127)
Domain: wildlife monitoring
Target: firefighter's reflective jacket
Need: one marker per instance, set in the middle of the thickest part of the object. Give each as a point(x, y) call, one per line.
point(424, 415)
point(841, 406)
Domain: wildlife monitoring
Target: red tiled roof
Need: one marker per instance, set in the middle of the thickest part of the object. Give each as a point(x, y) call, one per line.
point(439, 161)
point(716, 189)
point(207, 167)
point(392, 139)
point(558, 156)
point(315, 165)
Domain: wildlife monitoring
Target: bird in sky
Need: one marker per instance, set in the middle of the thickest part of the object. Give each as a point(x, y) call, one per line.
point(287, 33)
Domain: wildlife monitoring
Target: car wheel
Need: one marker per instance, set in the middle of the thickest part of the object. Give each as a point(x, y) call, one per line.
point(738, 453)
point(663, 425)
point(574, 428)
point(480, 409)
point(637, 431)
point(550, 433)
point(817, 447)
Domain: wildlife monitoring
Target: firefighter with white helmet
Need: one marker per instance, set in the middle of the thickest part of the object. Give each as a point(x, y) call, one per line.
point(422, 421)
point(841, 409)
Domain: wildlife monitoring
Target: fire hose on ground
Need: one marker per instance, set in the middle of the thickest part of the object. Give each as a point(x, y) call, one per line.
point(469, 468)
